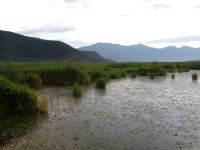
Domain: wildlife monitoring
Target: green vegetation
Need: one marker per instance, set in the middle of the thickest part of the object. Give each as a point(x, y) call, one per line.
point(194, 76)
point(101, 83)
point(37, 74)
point(77, 90)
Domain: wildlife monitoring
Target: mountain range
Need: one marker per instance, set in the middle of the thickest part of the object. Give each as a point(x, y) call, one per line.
point(16, 47)
point(143, 53)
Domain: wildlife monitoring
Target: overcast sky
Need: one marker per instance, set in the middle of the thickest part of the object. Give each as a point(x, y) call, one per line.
point(156, 23)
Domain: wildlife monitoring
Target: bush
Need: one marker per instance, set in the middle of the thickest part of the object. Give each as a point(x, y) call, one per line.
point(194, 76)
point(101, 83)
point(77, 90)
point(16, 99)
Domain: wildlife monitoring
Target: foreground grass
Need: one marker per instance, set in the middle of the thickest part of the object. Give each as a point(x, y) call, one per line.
point(17, 99)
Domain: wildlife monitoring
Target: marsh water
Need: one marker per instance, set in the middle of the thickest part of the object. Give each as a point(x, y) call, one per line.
point(131, 114)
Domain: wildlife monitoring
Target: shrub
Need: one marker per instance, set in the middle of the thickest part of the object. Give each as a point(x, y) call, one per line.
point(16, 99)
point(101, 83)
point(77, 90)
point(194, 76)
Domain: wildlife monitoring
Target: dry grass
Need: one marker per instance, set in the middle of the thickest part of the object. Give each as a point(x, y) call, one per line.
point(42, 105)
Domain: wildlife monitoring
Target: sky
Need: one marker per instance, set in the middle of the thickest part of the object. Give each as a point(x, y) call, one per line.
point(156, 23)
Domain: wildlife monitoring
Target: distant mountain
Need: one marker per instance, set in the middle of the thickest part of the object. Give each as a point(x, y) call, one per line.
point(18, 47)
point(144, 53)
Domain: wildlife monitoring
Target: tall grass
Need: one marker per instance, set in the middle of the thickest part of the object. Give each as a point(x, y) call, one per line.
point(16, 99)
point(36, 74)
point(34, 81)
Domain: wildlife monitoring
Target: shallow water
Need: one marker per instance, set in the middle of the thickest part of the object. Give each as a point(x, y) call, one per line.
point(130, 114)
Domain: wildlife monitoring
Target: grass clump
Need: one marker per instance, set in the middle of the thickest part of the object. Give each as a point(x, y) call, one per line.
point(194, 76)
point(77, 90)
point(133, 75)
point(42, 105)
point(34, 81)
point(16, 99)
point(101, 83)
point(152, 76)
point(173, 76)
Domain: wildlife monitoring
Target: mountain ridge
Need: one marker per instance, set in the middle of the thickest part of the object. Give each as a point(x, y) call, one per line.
point(140, 52)
point(17, 47)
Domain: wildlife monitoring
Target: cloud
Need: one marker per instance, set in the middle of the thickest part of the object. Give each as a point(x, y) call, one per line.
point(78, 43)
point(73, 3)
point(47, 28)
point(161, 6)
point(125, 15)
point(197, 7)
point(176, 40)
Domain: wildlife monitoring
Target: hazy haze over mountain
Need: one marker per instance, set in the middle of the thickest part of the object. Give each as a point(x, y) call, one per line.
point(141, 52)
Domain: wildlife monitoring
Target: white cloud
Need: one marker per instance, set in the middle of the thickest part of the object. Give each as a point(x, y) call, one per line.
point(161, 6)
point(47, 28)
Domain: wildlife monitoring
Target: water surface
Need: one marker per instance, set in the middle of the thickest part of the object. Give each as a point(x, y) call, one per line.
point(130, 114)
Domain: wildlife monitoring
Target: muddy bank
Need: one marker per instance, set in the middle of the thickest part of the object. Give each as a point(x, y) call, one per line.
point(130, 114)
